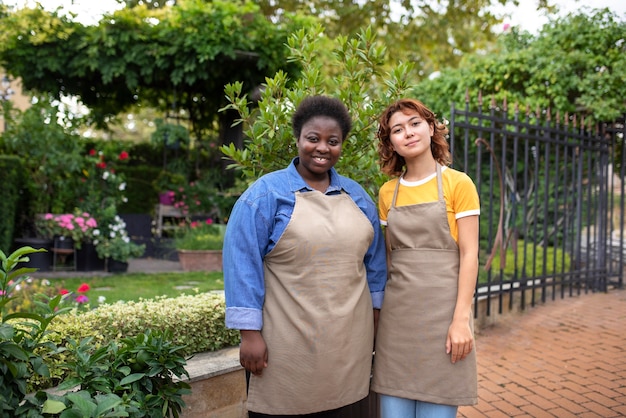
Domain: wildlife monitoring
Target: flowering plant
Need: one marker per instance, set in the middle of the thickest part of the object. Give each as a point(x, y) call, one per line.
point(101, 184)
point(115, 243)
point(79, 225)
point(200, 236)
point(78, 299)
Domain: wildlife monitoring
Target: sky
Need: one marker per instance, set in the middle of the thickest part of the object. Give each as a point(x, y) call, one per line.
point(525, 15)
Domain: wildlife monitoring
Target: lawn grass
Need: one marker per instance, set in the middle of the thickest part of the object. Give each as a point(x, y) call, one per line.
point(135, 286)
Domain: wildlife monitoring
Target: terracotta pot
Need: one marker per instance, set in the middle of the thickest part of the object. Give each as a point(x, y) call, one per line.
point(200, 260)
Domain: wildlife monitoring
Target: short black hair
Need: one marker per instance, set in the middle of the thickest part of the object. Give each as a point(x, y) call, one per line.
point(313, 106)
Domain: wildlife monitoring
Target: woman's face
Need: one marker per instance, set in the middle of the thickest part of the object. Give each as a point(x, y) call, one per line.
point(319, 146)
point(409, 133)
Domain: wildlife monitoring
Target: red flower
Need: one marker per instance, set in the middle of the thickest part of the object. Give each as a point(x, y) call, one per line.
point(101, 164)
point(64, 292)
point(123, 156)
point(83, 288)
point(92, 152)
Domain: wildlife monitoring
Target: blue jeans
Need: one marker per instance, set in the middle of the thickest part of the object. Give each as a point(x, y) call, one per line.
point(392, 407)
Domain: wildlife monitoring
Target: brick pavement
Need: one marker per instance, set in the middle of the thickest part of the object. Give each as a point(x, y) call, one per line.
point(564, 358)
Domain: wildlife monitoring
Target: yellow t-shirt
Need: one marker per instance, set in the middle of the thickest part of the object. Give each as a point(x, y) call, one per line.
point(459, 192)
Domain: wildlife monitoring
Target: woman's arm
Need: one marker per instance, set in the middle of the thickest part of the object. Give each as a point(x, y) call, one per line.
point(460, 341)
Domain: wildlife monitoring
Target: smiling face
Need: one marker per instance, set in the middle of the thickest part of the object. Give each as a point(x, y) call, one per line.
point(319, 147)
point(410, 134)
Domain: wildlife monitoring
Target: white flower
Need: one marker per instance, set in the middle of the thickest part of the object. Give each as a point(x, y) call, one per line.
point(105, 175)
point(122, 186)
point(101, 299)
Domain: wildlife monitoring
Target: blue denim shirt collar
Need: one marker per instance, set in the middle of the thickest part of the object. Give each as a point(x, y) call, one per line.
point(297, 183)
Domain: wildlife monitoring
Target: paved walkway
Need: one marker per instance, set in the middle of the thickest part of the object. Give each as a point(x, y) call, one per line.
point(565, 358)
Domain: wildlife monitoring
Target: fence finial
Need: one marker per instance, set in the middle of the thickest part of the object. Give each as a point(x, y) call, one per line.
point(480, 98)
point(504, 104)
point(467, 99)
point(549, 115)
point(566, 118)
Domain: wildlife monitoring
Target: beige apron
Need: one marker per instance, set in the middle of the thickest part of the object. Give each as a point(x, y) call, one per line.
point(420, 296)
point(318, 317)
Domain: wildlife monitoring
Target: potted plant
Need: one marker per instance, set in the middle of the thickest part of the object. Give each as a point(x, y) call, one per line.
point(166, 183)
point(116, 247)
point(199, 246)
point(68, 229)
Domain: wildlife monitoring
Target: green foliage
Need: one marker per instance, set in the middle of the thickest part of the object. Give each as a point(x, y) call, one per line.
point(200, 236)
point(169, 134)
point(356, 63)
point(140, 372)
point(141, 194)
point(575, 65)
point(136, 376)
point(12, 182)
point(196, 320)
point(52, 157)
point(22, 349)
point(531, 260)
point(182, 54)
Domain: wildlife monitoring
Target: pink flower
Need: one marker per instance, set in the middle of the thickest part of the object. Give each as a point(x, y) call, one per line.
point(82, 299)
point(209, 221)
point(83, 288)
point(64, 292)
point(123, 155)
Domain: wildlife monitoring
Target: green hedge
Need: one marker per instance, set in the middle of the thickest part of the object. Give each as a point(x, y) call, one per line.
point(197, 322)
point(141, 194)
point(11, 190)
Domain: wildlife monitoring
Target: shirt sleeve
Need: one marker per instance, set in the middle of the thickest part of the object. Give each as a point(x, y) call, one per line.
point(375, 259)
point(466, 201)
point(247, 237)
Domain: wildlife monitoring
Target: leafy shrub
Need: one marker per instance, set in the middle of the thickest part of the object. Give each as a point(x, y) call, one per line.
point(197, 323)
point(200, 236)
point(555, 261)
point(138, 376)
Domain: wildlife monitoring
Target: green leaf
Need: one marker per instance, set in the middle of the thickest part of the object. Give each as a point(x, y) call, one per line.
point(53, 407)
point(132, 378)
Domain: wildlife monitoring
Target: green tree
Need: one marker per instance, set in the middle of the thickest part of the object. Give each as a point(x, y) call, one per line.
point(575, 65)
point(359, 77)
point(173, 57)
point(430, 34)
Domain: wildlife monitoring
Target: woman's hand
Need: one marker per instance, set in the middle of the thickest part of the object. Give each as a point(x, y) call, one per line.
point(460, 341)
point(253, 352)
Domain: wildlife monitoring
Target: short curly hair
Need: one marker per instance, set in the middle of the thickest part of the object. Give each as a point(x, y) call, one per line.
point(313, 106)
point(393, 164)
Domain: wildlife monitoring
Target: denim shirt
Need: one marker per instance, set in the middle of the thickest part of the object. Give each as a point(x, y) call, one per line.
point(257, 222)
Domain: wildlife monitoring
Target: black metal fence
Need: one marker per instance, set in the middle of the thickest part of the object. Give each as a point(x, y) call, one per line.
point(552, 201)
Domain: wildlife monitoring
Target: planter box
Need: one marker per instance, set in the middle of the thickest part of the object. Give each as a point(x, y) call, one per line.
point(200, 260)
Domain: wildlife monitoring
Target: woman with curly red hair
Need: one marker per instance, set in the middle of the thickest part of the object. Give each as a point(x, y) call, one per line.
point(425, 362)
